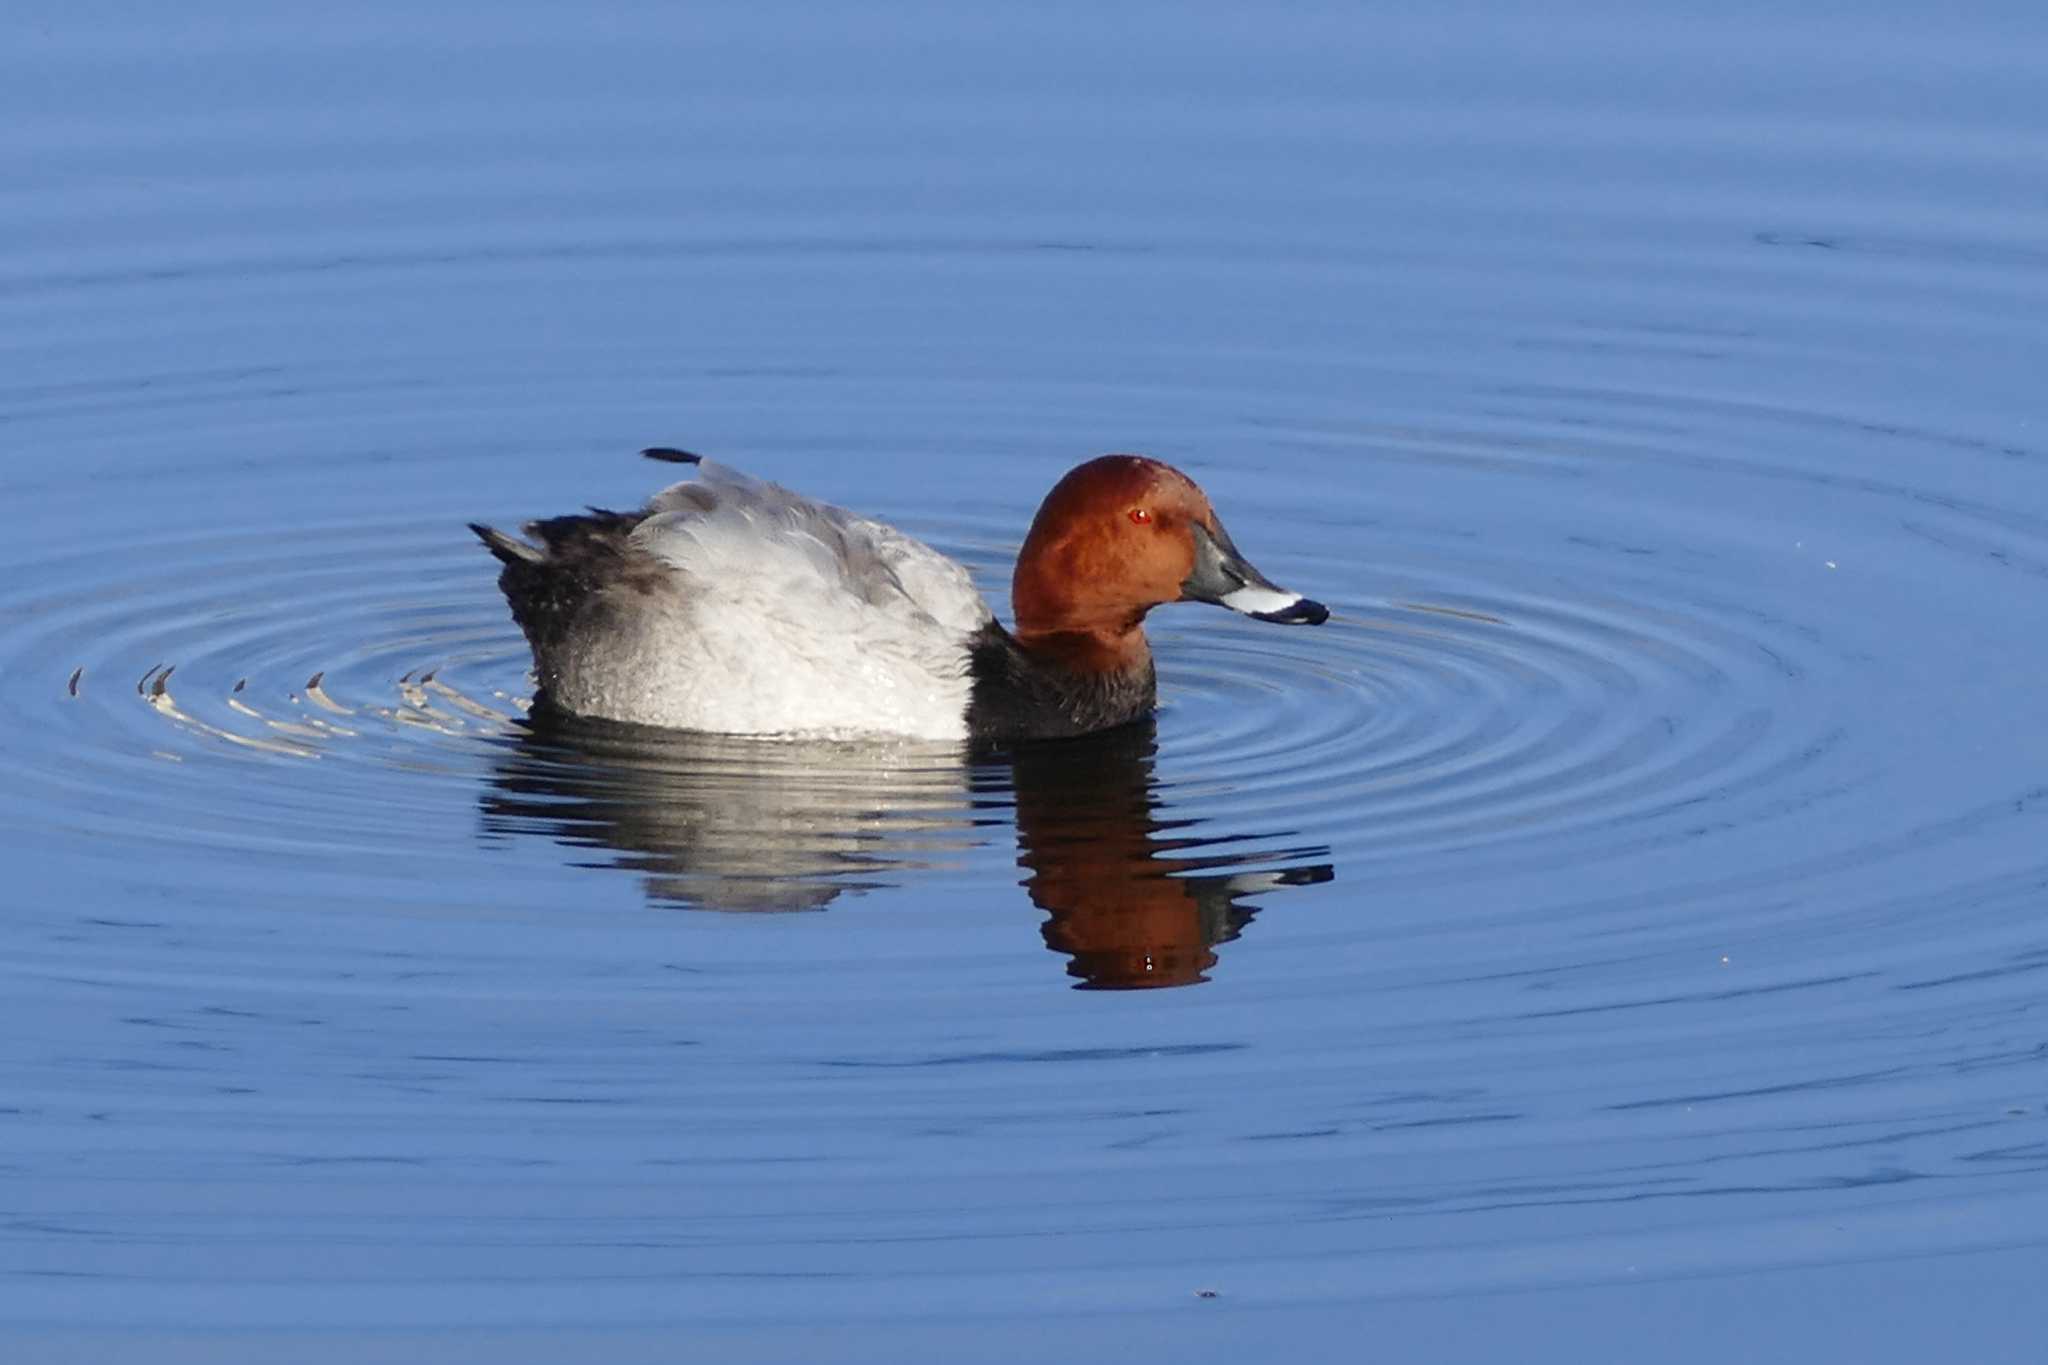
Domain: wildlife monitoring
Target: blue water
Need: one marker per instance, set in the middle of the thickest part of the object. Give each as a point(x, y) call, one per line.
point(1619, 930)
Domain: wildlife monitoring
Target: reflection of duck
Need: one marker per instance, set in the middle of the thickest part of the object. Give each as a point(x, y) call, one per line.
point(727, 823)
point(724, 822)
point(737, 606)
point(1089, 830)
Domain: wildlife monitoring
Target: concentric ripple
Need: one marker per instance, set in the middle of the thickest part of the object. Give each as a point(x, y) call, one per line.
point(1453, 712)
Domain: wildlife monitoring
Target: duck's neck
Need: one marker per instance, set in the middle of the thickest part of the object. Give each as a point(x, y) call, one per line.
point(1088, 651)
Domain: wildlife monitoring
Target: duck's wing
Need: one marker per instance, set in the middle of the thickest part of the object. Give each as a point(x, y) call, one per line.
point(725, 528)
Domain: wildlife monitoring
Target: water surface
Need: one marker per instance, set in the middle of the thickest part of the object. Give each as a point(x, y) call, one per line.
point(1626, 912)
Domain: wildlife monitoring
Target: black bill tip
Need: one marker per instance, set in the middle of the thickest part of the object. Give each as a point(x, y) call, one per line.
point(1302, 613)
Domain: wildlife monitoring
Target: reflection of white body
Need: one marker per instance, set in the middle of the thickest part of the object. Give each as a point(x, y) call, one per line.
point(733, 823)
point(782, 614)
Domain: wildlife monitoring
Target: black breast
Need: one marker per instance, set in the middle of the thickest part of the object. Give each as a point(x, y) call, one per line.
point(1017, 697)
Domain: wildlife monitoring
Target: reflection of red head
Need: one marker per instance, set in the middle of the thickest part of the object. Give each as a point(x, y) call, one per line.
point(1088, 837)
point(1133, 936)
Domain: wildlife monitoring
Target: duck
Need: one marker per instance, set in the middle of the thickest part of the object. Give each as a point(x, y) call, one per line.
point(733, 605)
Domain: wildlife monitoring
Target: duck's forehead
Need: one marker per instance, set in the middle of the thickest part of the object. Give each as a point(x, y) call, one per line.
point(1119, 478)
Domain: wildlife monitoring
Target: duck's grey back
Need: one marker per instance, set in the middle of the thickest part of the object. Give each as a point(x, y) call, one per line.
point(724, 523)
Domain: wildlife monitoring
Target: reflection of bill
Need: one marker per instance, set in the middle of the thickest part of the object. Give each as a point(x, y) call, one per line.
point(1102, 863)
point(730, 823)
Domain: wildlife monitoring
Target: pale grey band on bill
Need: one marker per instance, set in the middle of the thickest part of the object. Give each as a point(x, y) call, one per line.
point(1254, 600)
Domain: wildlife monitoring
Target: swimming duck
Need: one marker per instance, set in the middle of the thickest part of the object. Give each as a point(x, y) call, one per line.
point(733, 605)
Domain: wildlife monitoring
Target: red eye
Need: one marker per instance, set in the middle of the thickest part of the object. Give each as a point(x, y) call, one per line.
point(1140, 517)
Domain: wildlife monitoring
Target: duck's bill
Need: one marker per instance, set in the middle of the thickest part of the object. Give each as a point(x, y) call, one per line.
point(1278, 605)
point(1224, 576)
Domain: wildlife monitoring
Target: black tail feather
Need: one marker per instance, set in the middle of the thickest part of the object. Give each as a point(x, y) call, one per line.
point(670, 455)
point(507, 549)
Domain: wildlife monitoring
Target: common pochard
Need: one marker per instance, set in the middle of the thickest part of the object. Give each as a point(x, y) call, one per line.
point(732, 605)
